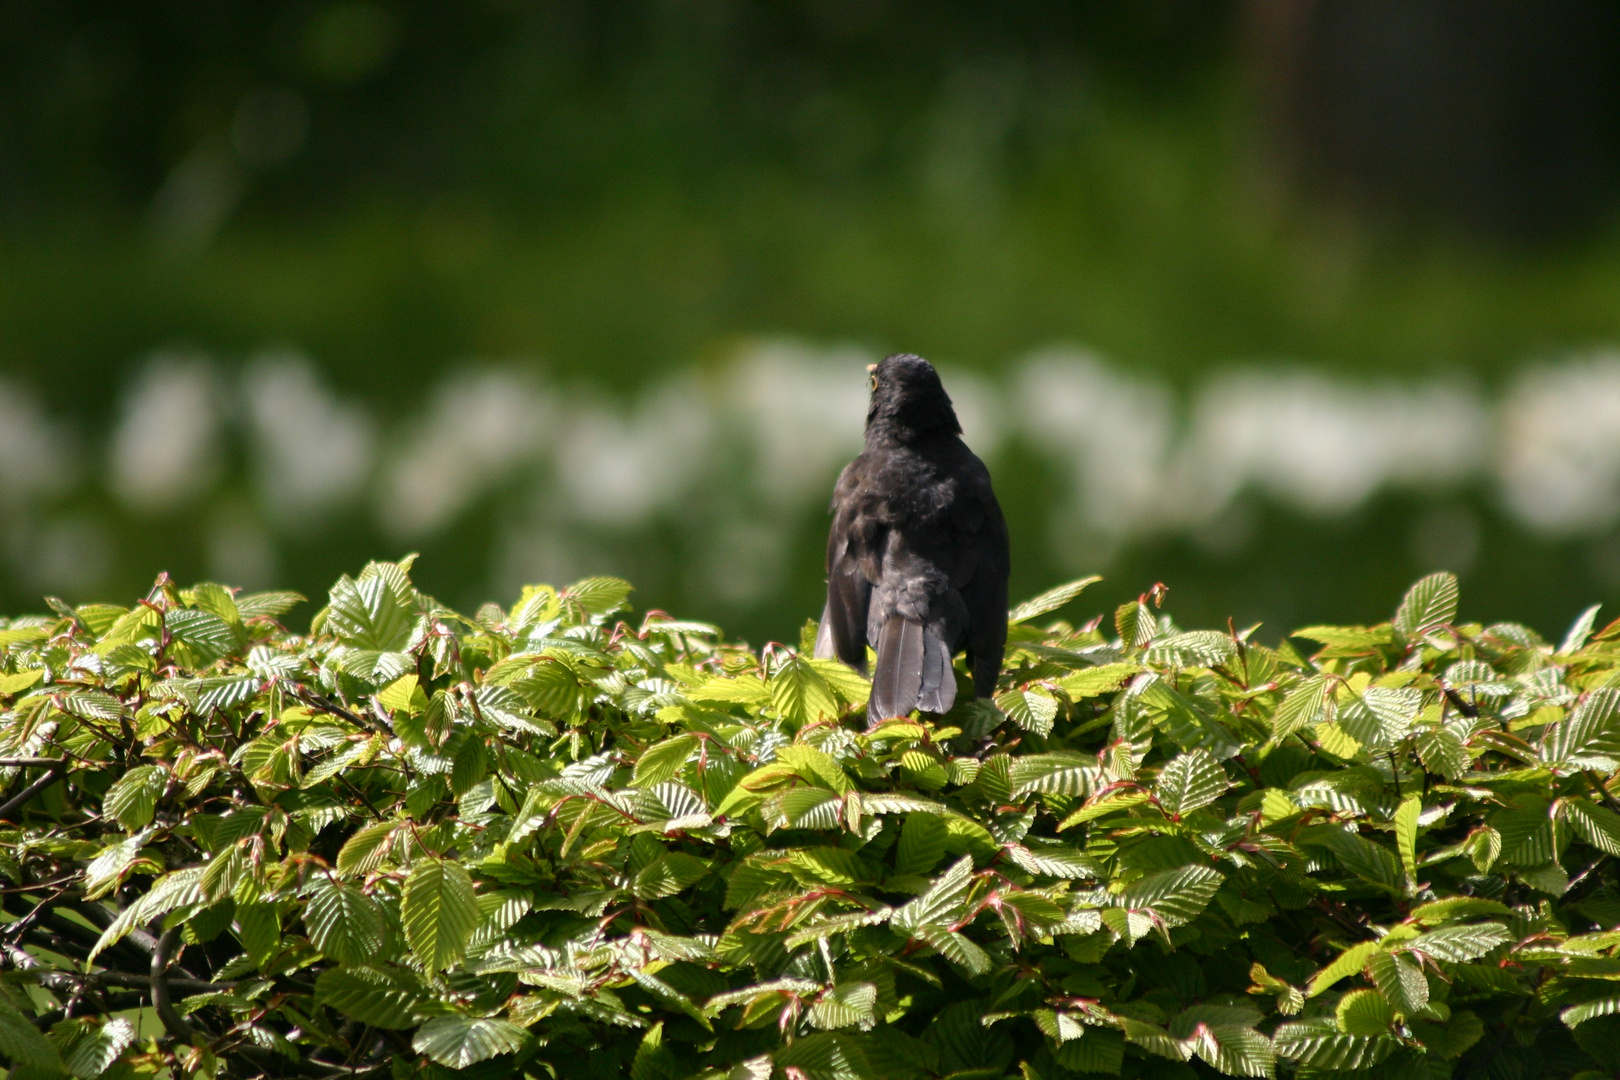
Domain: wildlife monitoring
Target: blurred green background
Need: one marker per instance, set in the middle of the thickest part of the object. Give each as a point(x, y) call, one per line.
point(291, 284)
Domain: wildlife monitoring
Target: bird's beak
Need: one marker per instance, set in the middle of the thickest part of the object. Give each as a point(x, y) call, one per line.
point(871, 367)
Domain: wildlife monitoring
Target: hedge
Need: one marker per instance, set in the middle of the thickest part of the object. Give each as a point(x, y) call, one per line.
point(557, 841)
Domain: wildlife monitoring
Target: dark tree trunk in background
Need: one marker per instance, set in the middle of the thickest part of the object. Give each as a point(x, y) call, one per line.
point(1498, 115)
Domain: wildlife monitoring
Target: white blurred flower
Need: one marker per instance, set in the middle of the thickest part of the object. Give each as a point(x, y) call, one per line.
point(618, 470)
point(311, 452)
point(480, 426)
point(34, 453)
point(978, 407)
point(804, 410)
point(166, 448)
point(1111, 433)
point(1559, 457)
point(1323, 445)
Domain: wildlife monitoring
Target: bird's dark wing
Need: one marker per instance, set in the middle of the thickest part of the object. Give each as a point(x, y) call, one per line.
point(985, 561)
point(842, 633)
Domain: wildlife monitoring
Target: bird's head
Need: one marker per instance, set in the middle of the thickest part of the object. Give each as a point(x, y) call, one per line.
point(908, 401)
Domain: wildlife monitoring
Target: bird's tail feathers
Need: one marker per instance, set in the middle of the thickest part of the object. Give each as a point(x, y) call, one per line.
point(897, 678)
point(938, 691)
point(825, 649)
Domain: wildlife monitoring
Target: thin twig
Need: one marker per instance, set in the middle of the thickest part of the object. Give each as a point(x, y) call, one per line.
point(21, 798)
point(109, 1003)
point(332, 708)
point(173, 1022)
point(65, 880)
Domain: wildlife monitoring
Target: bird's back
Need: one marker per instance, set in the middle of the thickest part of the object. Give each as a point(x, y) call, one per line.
point(917, 564)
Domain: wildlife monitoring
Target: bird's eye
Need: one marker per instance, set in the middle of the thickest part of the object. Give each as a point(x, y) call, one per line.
point(873, 381)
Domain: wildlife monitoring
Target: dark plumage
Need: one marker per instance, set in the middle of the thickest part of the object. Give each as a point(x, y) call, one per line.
point(917, 558)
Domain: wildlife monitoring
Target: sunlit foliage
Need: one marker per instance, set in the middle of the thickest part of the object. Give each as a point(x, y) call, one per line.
point(561, 842)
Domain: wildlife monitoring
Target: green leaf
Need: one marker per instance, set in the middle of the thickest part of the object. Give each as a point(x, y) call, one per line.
point(208, 637)
point(965, 836)
point(1366, 859)
point(599, 596)
point(368, 614)
point(458, 1041)
point(850, 685)
point(1406, 826)
point(1050, 600)
point(1365, 1012)
point(1580, 630)
point(176, 889)
point(1576, 1015)
point(667, 875)
point(1032, 710)
point(941, 902)
point(1380, 716)
point(1589, 738)
point(1194, 648)
point(803, 808)
point(91, 705)
point(1453, 908)
point(655, 985)
point(653, 1061)
point(1094, 681)
point(828, 866)
point(1401, 981)
point(831, 1055)
point(663, 760)
point(1301, 708)
point(1443, 752)
point(132, 799)
point(1058, 862)
point(1321, 1046)
point(1173, 896)
point(439, 912)
point(209, 596)
point(1527, 833)
point(1135, 624)
point(1189, 781)
point(799, 694)
point(955, 947)
point(23, 1047)
point(847, 1005)
point(921, 844)
point(258, 927)
point(384, 997)
point(1459, 943)
point(1430, 603)
point(1234, 1050)
point(267, 604)
point(343, 922)
point(816, 766)
point(107, 869)
point(1453, 1038)
point(366, 850)
point(1346, 963)
point(1289, 998)
point(15, 684)
point(1064, 772)
point(88, 1048)
point(1597, 825)
point(1097, 1050)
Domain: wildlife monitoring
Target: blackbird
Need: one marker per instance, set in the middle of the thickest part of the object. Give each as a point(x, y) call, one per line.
point(917, 558)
